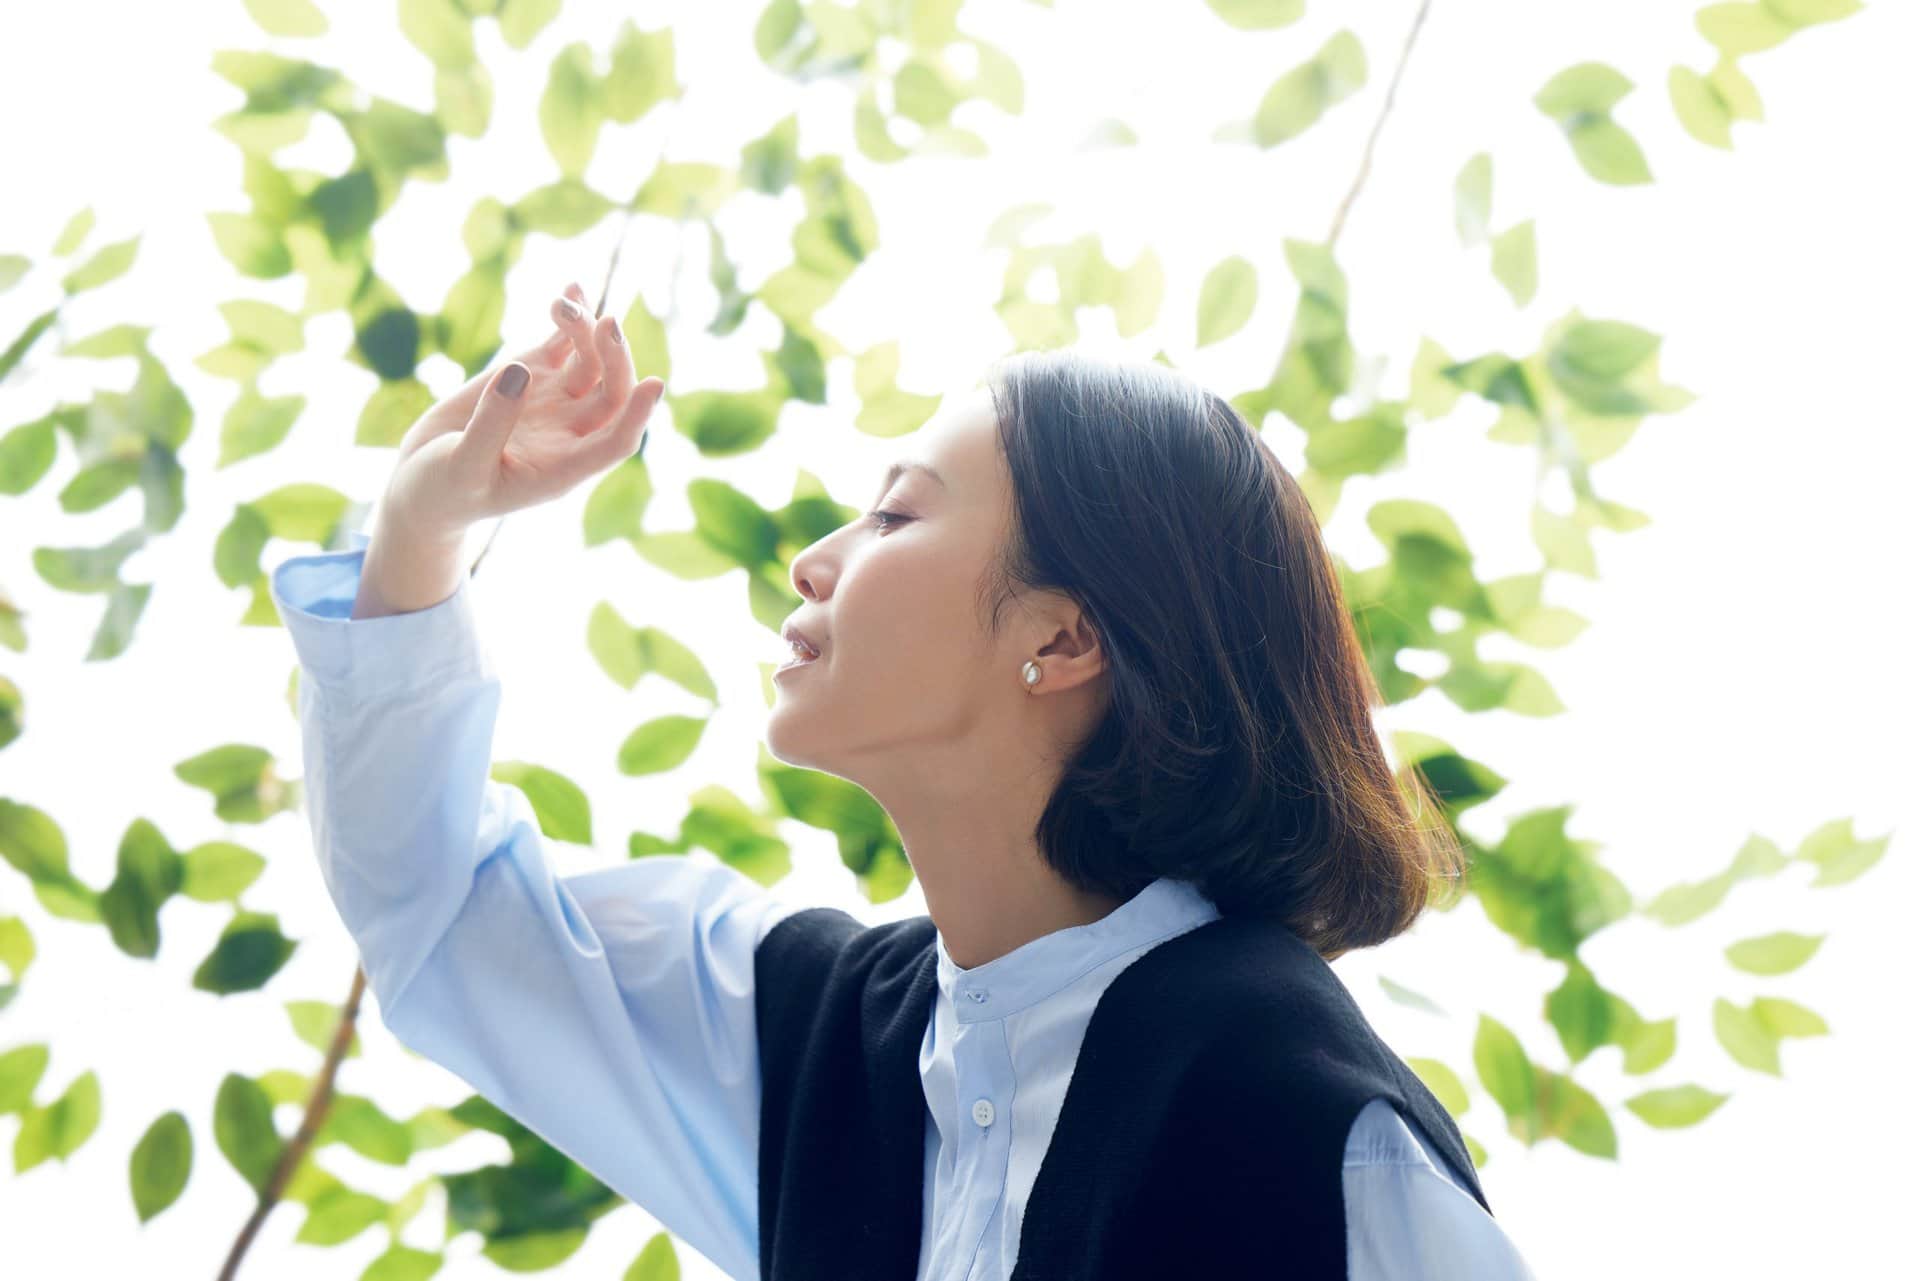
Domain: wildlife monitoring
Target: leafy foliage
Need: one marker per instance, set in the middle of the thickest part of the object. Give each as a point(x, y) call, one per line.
point(1574, 401)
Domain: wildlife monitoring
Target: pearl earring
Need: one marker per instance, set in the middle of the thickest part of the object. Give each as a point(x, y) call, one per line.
point(1030, 673)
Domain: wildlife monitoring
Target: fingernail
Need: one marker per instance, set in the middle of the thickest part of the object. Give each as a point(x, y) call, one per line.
point(617, 335)
point(571, 307)
point(514, 381)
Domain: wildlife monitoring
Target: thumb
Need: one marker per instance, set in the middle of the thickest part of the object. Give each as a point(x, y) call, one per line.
point(494, 417)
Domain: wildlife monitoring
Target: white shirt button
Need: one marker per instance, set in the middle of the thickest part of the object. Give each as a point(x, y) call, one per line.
point(978, 995)
point(983, 1112)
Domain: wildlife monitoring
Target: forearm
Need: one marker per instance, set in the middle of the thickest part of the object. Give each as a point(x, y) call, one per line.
point(406, 569)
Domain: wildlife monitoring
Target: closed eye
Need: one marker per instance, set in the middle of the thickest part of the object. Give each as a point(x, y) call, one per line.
point(888, 519)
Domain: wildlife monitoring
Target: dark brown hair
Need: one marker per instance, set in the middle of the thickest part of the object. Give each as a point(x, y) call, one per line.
point(1237, 749)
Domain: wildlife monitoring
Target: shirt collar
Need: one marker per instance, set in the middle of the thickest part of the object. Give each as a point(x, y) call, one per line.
point(1040, 967)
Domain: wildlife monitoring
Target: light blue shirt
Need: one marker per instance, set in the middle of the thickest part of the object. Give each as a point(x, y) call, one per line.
point(612, 1011)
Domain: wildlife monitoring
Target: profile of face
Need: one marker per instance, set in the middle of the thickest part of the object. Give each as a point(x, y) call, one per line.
point(911, 692)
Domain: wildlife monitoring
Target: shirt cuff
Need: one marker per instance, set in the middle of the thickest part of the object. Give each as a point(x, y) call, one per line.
point(388, 655)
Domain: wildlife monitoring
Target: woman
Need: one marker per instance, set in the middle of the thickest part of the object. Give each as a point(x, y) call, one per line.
point(1090, 655)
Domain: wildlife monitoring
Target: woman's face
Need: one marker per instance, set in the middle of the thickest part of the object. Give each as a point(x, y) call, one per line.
point(907, 679)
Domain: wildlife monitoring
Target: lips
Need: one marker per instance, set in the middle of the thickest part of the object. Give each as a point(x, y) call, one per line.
point(793, 635)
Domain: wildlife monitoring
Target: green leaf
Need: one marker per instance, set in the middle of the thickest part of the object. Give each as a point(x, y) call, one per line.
point(340, 1214)
point(1782, 1017)
point(265, 326)
point(725, 423)
point(1516, 262)
point(534, 1251)
point(646, 341)
point(20, 1071)
point(463, 99)
point(1503, 1067)
point(1701, 110)
point(360, 1124)
point(1778, 953)
point(1579, 99)
point(1838, 853)
point(1806, 13)
point(440, 30)
point(1473, 199)
point(253, 247)
point(767, 163)
point(288, 17)
point(58, 1129)
point(256, 424)
point(401, 1262)
point(1745, 1038)
point(1604, 349)
point(115, 340)
point(301, 512)
point(1735, 29)
point(1300, 97)
point(160, 1164)
point(571, 109)
point(26, 454)
point(1609, 153)
point(217, 871)
point(1676, 1106)
point(32, 842)
point(1580, 1012)
point(558, 803)
point(97, 485)
point(685, 189)
point(1570, 1112)
point(147, 875)
point(641, 74)
point(1227, 297)
point(1649, 1045)
point(922, 93)
point(660, 744)
point(251, 950)
point(243, 1129)
point(77, 229)
point(1258, 15)
point(16, 946)
point(1407, 996)
point(1735, 90)
point(108, 263)
point(522, 20)
point(656, 1261)
point(1584, 89)
point(393, 407)
point(317, 1022)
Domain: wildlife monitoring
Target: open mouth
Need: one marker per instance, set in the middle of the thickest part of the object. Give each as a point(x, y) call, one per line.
point(801, 656)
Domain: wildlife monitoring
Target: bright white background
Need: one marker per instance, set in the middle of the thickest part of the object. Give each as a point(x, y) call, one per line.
point(1748, 669)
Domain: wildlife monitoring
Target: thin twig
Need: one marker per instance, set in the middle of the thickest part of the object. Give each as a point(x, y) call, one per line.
point(1366, 156)
point(297, 1146)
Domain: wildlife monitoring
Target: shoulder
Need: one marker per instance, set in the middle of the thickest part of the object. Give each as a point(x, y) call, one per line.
point(833, 935)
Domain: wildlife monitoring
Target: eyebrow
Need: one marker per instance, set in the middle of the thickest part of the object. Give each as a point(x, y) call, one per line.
point(898, 469)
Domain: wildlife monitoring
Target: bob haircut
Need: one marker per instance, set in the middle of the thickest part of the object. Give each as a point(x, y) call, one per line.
point(1237, 749)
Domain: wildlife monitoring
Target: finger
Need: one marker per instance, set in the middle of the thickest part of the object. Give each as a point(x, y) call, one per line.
point(616, 363)
point(549, 352)
point(583, 363)
point(494, 417)
point(617, 441)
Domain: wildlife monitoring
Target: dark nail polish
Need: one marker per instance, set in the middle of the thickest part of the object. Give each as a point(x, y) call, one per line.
point(513, 382)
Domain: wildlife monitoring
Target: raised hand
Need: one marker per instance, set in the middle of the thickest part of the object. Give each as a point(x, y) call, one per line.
point(483, 452)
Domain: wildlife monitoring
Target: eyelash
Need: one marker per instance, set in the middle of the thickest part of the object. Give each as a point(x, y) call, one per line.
point(887, 519)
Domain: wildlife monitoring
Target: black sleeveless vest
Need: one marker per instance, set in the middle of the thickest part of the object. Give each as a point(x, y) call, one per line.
point(1202, 1133)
